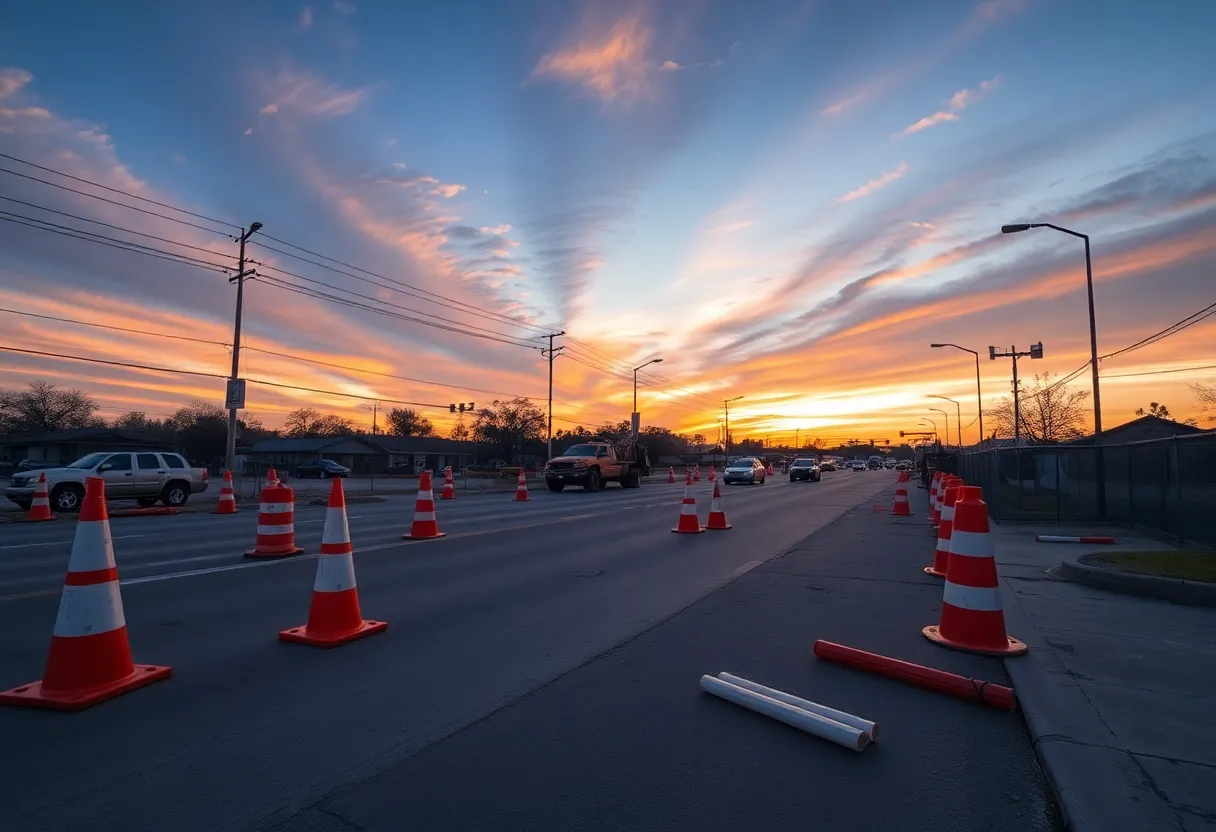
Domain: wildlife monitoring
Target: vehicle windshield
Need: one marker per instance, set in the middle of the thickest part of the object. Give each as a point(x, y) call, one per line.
point(581, 450)
point(746, 462)
point(804, 463)
point(90, 461)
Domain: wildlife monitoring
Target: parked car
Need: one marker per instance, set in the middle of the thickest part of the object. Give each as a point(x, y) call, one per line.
point(827, 465)
point(322, 469)
point(143, 476)
point(746, 469)
point(857, 464)
point(804, 469)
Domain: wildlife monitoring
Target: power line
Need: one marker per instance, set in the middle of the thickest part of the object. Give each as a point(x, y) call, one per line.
point(113, 202)
point(108, 225)
point(1164, 372)
point(388, 303)
point(117, 191)
point(1172, 329)
point(499, 315)
point(122, 245)
point(118, 328)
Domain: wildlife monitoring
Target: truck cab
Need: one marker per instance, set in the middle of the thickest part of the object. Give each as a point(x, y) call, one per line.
point(591, 464)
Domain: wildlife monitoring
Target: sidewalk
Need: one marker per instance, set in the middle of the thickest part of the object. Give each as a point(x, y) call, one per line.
point(628, 740)
point(1119, 692)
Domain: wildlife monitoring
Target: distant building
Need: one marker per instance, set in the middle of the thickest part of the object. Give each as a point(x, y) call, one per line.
point(363, 454)
point(1139, 430)
point(66, 446)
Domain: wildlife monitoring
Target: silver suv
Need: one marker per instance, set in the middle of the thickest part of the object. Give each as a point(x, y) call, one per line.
point(144, 476)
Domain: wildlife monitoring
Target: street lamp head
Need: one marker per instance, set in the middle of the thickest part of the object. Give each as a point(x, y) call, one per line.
point(255, 227)
point(935, 346)
point(657, 361)
point(1015, 228)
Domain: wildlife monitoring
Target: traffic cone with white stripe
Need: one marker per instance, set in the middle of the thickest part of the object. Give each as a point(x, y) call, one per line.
point(972, 618)
point(689, 524)
point(901, 507)
point(696, 473)
point(276, 535)
point(938, 499)
point(425, 526)
point(272, 478)
point(521, 488)
point(227, 503)
point(712, 477)
point(717, 517)
point(937, 476)
point(334, 617)
point(671, 474)
point(449, 485)
point(40, 506)
point(768, 469)
point(941, 555)
point(90, 656)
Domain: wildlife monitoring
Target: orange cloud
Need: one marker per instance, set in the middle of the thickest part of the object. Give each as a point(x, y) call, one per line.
point(612, 66)
point(304, 94)
point(958, 102)
point(876, 184)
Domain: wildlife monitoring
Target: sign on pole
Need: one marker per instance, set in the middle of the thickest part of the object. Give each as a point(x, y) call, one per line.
point(235, 398)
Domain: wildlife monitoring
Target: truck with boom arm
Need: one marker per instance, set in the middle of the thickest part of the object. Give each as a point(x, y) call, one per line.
point(591, 464)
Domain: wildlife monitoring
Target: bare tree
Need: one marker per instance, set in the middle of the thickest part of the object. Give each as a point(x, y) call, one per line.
point(1049, 412)
point(1206, 393)
point(307, 421)
point(509, 424)
point(44, 407)
point(1162, 412)
point(405, 421)
point(460, 432)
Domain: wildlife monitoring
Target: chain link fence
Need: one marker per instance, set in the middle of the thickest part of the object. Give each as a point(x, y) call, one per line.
point(1162, 484)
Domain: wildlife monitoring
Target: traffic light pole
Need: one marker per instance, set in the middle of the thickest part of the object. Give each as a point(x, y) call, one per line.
point(1035, 351)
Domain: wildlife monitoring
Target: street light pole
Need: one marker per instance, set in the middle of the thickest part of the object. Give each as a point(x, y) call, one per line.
point(635, 417)
point(936, 438)
point(958, 413)
point(726, 433)
point(1100, 466)
point(979, 395)
point(239, 279)
point(946, 416)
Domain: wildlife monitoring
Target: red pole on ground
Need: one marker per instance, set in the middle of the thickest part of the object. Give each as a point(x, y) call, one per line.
point(974, 690)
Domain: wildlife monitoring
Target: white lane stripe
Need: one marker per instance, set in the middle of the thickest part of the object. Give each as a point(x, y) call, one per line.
point(284, 529)
point(64, 542)
point(89, 610)
point(335, 573)
point(975, 598)
point(91, 547)
point(970, 544)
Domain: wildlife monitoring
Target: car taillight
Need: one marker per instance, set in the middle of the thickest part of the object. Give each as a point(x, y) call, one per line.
point(204, 475)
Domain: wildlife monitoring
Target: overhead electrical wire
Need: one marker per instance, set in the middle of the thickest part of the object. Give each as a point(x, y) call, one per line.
point(1172, 329)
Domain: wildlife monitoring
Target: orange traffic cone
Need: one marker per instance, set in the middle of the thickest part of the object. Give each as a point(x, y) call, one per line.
point(941, 555)
point(901, 508)
point(671, 474)
point(449, 485)
point(972, 618)
point(688, 511)
point(903, 476)
point(717, 517)
point(40, 506)
point(90, 656)
point(272, 478)
point(711, 472)
point(696, 473)
point(334, 617)
point(425, 526)
point(937, 476)
point(938, 499)
point(521, 488)
point(227, 503)
point(276, 533)
point(768, 469)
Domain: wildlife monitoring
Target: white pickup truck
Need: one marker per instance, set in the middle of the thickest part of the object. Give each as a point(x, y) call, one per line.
point(144, 476)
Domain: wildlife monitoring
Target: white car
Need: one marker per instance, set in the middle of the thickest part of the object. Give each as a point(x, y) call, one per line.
point(145, 476)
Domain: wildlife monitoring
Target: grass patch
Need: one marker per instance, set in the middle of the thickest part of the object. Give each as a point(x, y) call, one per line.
point(1186, 564)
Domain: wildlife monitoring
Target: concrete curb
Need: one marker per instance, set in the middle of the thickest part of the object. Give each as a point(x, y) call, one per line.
point(1175, 590)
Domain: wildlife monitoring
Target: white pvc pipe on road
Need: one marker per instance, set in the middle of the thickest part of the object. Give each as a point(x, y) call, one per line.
point(843, 735)
point(844, 718)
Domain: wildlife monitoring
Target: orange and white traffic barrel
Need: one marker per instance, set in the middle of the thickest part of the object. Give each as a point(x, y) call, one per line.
point(276, 524)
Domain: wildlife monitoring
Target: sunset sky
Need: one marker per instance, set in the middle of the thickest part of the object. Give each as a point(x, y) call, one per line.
point(785, 200)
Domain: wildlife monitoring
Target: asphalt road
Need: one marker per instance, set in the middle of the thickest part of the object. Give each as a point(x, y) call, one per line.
point(249, 731)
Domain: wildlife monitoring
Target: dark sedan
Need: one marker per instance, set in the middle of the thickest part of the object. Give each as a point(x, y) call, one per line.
point(322, 469)
point(804, 469)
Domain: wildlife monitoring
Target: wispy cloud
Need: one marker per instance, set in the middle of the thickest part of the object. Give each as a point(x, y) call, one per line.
point(307, 95)
point(876, 184)
point(12, 80)
point(345, 7)
point(611, 66)
point(306, 17)
point(673, 66)
point(958, 102)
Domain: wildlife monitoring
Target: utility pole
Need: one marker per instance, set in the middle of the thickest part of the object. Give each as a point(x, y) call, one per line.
point(726, 432)
point(239, 279)
point(551, 354)
point(1036, 351)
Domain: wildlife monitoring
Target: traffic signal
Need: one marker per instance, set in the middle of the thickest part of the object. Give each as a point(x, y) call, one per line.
point(452, 408)
point(1036, 350)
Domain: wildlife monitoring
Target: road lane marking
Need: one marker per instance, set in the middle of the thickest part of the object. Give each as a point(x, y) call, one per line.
point(65, 542)
point(742, 570)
